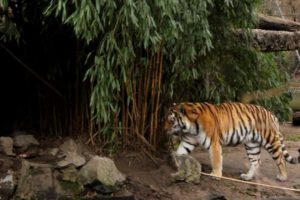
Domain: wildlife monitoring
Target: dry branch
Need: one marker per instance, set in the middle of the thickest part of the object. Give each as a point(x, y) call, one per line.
point(276, 23)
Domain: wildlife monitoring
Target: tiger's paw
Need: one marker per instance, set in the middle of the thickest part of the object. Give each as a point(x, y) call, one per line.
point(246, 177)
point(216, 176)
point(279, 177)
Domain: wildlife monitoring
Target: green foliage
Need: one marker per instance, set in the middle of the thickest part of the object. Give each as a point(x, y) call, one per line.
point(273, 70)
point(194, 43)
point(126, 34)
point(8, 29)
point(232, 68)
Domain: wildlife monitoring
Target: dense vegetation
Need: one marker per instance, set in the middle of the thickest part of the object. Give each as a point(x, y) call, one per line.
point(140, 56)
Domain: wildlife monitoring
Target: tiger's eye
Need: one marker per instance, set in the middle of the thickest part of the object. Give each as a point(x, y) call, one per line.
point(172, 119)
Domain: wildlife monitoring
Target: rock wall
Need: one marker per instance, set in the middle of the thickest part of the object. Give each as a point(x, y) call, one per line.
point(69, 171)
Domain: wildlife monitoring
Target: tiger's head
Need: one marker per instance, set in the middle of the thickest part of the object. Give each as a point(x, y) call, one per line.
point(180, 119)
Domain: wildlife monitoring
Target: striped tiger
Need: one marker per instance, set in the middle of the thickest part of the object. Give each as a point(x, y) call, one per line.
point(229, 124)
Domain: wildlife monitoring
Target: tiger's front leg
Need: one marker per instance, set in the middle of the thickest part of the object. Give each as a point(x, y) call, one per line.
point(253, 152)
point(216, 158)
point(185, 148)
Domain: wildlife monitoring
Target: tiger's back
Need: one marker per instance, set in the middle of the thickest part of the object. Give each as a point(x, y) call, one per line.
point(242, 123)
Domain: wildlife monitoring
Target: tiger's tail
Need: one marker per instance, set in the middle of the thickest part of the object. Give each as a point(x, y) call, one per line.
point(288, 157)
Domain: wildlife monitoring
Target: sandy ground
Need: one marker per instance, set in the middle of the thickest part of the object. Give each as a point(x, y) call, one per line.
point(147, 180)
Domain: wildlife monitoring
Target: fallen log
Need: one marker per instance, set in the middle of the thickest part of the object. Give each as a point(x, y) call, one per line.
point(276, 23)
point(270, 41)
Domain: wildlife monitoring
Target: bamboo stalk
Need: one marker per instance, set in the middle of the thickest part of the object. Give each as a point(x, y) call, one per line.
point(151, 101)
point(146, 92)
point(124, 118)
point(91, 125)
point(158, 94)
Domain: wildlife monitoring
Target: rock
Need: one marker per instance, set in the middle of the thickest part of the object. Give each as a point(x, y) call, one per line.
point(189, 169)
point(217, 196)
point(35, 182)
point(69, 173)
point(6, 146)
point(66, 182)
point(7, 185)
point(8, 176)
point(42, 181)
point(69, 153)
point(102, 174)
point(48, 152)
point(26, 146)
point(68, 190)
point(23, 141)
point(30, 152)
point(8, 163)
point(53, 151)
point(85, 151)
point(123, 194)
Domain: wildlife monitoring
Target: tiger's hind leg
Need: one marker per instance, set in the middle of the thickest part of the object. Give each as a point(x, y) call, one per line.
point(275, 150)
point(282, 176)
point(253, 152)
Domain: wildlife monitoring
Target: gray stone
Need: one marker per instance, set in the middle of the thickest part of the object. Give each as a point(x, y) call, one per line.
point(122, 194)
point(7, 185)
point(42, 181)
point(67, 189)
point(103, 171)
point(23, 141)
point(189, 169)
point(26, 146)
point(66, 183)
point(217, 196)
point(35, 182)
point(8, 176)
point(69, 153)
point(6, 146)
point(69, 173)
point(53, 151)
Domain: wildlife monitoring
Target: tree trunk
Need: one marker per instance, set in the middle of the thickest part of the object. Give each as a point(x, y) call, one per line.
point(267, 41)
point(276, 40)
point(276, 23)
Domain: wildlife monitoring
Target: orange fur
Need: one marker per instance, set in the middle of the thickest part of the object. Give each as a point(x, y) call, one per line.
point(229, 124)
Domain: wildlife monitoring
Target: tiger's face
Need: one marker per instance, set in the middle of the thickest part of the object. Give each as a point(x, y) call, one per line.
point(172, 125)
point(177, 120)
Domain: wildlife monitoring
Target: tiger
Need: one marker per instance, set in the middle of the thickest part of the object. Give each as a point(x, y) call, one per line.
point(229, 124)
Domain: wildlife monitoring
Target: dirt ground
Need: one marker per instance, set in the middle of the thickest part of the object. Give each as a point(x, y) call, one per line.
point(147, 180)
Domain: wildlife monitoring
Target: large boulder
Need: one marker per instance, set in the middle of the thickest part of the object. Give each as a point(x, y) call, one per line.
point(26, 145)
point(23, 141)
point(70, 154)
point(102, 174)
point(35, 182)
point(41, 181)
